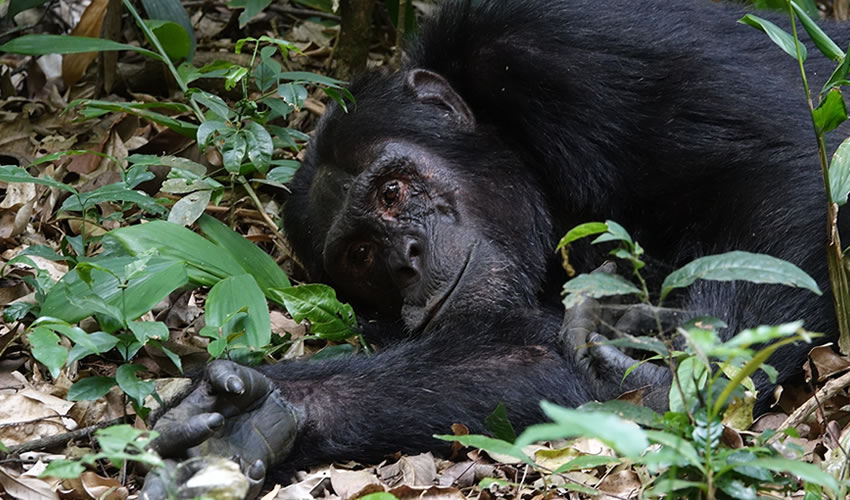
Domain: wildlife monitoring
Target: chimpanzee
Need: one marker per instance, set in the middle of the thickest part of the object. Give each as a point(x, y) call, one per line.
point(435, 203)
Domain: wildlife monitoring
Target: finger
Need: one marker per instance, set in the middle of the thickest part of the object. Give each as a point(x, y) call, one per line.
point(244, 387)
point(579, 322)
point(175, 438)
point(643, 319)
point(256, 474)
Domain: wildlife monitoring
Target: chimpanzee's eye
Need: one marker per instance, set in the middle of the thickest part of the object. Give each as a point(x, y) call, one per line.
point(360, 254)
point(391, 193)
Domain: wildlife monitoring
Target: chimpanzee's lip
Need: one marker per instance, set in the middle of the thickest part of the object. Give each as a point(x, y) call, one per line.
point(435, 306)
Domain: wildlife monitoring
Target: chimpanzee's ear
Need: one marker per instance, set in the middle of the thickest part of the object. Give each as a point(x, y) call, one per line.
point(433, 88)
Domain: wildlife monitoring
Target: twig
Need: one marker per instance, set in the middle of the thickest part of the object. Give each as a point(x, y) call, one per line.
point(802, 412)
point(61, 439)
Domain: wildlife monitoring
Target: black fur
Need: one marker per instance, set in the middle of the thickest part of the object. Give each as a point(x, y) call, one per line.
point(669, 117)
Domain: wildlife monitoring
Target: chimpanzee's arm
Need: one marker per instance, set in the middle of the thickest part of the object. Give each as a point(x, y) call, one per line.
point(365, 407)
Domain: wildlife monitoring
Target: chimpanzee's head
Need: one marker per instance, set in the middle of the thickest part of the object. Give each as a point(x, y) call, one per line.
point(409, 207)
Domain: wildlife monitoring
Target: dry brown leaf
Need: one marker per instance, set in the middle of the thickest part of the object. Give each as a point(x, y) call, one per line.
point(308, 486)
point(350, 483)
point(32, 415)
point(418, 470)
point(827, 362)
point(431, 493)
point(74, 65)
point(468, 473)
point(25, 488)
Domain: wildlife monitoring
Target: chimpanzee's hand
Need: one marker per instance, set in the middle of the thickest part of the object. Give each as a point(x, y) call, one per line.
point(234, 413)
point(589, 325)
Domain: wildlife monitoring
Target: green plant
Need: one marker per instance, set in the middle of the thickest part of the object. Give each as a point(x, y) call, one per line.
point(711, 389)
point(830, 112)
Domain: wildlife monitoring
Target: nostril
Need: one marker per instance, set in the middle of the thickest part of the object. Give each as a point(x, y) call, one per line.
point(413, 250)
point(407, 276)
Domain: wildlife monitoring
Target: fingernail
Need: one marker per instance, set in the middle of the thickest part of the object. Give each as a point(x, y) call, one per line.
point(234, 385)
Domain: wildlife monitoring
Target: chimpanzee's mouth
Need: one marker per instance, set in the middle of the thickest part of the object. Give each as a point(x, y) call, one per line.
point(434, 307)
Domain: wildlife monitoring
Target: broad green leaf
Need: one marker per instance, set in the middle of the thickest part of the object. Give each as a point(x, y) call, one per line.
point(831, 112)
point(171, 10)
point(623, 436)
point(214, 103)
point(596, 285)
point(839, 173)
point(803, 470)
point(249, 256)
point(737, 489)
point(116, 439)
point(74, 333)
point(821, 39)
point(147, 330)
point(90, 388)
point(329, 318)
point(615, 232)
point(233, 149)
point(161, 277)
point(46, 349)
point(283, 173)
point(136, 389)
point(692, 375)
point(207, 130)
point(307, 77)
point(779, 36)
point(738, 265)
point(64, 469)
point(292, 94)
point(37, 45)
point(488, 444)
point(102, 340)
point(499, 425)
point(260, 146)
point(236, 293)
point(581, 231)
point(207, 263)
point(188, 208)
point(173, 37)
point(663, 487)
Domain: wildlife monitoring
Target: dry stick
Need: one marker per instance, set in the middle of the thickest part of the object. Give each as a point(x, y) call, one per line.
point(799, 415)
point(61, 439)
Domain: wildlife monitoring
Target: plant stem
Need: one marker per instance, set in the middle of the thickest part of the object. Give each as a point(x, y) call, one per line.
point(837, 276)
point(165, 59)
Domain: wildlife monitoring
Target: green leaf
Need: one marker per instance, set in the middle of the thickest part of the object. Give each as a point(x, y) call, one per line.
point(488, 444)
point(677, 444)
point(142, 110)
point(779, 36)
point(831, 112)
point(586, 462)
point(307, 77)
point(90, 388)
point(596, 285)
point(839, 173)
point(18, 6)
point(692, 375)
point(112, 192)
point(9, 173)
point(329, 318)
point(581, 231)
point(188, 208)
point(171, 10)
point(102, 340)
point(207, 263)
point(64, 469)
point(37, 45)
point(234, 294)
point(803, 470)
point(146, 330)
point(136, 389)
point(615, 232)
point(663, 488)
point(283, 174)
point(499, 425)
point(214, 103)
point(260, 146)
point(248, 256)
point(46, 349)
point(763, 334)
point(737, 265)
point(162, 276)
point(839, 76)
point(623, 436)
point(173, 37)
point(233, 150)
point(641, 415)
point(207, 130)
point(821, 39)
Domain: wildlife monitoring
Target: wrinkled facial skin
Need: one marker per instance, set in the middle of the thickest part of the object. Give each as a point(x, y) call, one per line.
point(404, 238)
